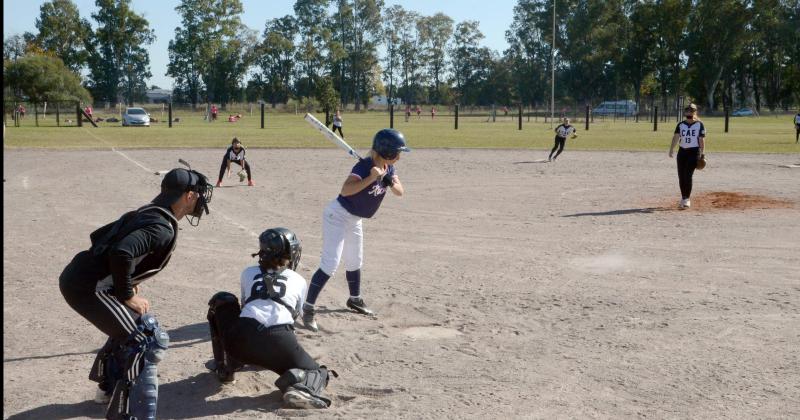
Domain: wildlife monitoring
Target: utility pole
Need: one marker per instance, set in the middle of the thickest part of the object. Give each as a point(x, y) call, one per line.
point(553, 70)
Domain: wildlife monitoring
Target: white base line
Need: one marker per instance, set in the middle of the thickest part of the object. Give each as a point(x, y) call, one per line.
point(224, 216)
point(113, 149)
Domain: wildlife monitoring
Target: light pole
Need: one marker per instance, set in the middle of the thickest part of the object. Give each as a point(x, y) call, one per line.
point(553, 70)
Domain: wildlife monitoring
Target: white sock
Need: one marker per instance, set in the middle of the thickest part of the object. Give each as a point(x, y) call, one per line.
point(355, 297)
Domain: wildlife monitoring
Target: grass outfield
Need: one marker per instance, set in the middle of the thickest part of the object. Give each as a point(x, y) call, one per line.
point(767, 134)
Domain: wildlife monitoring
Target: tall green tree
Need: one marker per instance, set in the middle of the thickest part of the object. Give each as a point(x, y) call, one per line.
point(312, 22)
point(638, 59)
point(118, 58)
point(39, 78)
point(14, 47)
point(275, 57)
point(411, 59)
point(212, 51)
point(63, 32)
point(364, 56)
point(465, 55)
point(530, 46)
point(718, 33)
point(594, 35)
point(435, 32)
point(395, 18)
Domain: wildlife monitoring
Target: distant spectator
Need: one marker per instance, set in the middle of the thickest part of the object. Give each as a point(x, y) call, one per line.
point(419, 112)
point(408, 113)
point(21, 111)
point(232, 118)
point(433, 112)
point(213, 112)
point(88, 111)
point(797, 127)
point(505, 111)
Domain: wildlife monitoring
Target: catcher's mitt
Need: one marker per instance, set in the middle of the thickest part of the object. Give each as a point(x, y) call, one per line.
point(701, 163)
point(242, 175)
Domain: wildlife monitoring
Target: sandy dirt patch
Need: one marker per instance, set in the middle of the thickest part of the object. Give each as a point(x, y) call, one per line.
point(505, 287)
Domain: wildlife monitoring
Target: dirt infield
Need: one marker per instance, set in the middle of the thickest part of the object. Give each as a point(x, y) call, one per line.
point(505, 287)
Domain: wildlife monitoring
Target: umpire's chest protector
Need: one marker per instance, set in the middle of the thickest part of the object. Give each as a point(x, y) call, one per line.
point(151, 263)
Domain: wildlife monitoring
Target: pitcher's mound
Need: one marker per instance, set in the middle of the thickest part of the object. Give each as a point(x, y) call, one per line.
point(723, 200)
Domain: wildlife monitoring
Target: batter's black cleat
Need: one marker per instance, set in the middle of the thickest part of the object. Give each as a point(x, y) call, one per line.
point(358, 305)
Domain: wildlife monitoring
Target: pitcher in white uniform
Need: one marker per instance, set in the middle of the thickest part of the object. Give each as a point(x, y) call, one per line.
point(342, 235)
point(691, 134)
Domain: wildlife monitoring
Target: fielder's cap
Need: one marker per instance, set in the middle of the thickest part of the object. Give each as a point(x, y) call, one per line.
point(692, 107)
point(175, 183)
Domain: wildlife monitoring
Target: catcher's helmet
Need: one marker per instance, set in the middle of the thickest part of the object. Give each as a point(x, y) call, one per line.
point(388, 143)
point(280, 243)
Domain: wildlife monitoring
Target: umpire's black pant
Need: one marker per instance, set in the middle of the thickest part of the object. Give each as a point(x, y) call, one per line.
point(687, 163)
point(274, 348)
point(105, 312)
point(225, 166)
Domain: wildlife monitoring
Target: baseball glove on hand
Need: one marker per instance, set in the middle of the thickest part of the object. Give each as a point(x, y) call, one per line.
point(242, 175)
point(701, 163)
point(387, 181)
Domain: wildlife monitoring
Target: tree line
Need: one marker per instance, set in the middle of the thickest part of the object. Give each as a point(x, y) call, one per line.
point(717, 52)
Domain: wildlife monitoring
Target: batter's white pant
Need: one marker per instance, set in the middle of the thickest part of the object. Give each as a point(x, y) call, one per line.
point(341, 237)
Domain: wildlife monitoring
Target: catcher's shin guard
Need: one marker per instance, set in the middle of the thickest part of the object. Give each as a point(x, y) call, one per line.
point(136, 395)
point(223, 310)
point(312, 382)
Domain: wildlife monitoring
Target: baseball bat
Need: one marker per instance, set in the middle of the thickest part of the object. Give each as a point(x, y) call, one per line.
point(330, 135)
point(185, 163)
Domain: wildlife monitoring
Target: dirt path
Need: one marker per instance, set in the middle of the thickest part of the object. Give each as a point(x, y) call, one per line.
point(505, 287)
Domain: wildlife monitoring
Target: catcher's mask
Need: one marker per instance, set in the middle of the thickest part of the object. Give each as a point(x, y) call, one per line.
point(279, 243)
point(180, 181)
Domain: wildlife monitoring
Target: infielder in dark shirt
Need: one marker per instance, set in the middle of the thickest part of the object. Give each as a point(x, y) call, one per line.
point(235, 154)
point(102, 283)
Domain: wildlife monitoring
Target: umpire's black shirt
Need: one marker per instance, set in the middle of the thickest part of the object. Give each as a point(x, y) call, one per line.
point(140, 254)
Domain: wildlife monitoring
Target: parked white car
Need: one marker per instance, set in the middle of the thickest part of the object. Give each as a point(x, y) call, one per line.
point(743, 112)
point(135, 117)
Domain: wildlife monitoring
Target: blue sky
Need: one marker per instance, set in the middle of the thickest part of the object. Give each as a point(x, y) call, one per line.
point(494, 16)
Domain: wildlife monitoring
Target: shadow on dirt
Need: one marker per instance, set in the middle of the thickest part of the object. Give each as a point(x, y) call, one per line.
point(646, 210)
point(188, 335)
point(184, 399)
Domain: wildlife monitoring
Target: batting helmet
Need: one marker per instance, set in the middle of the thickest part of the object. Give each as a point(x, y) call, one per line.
point(388, 143)
point(280, 243)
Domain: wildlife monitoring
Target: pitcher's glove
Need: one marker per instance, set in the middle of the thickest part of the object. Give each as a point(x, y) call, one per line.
point(387, 181)
point(701, 163)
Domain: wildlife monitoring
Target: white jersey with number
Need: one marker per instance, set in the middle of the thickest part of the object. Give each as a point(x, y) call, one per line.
point(564, 131)
point(291, 285)
point(690, 133)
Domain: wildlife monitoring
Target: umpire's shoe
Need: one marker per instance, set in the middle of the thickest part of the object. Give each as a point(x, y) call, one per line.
point(308, 318)
point(358, 305)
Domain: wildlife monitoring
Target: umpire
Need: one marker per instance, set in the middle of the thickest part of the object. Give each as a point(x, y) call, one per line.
point(101, 284)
